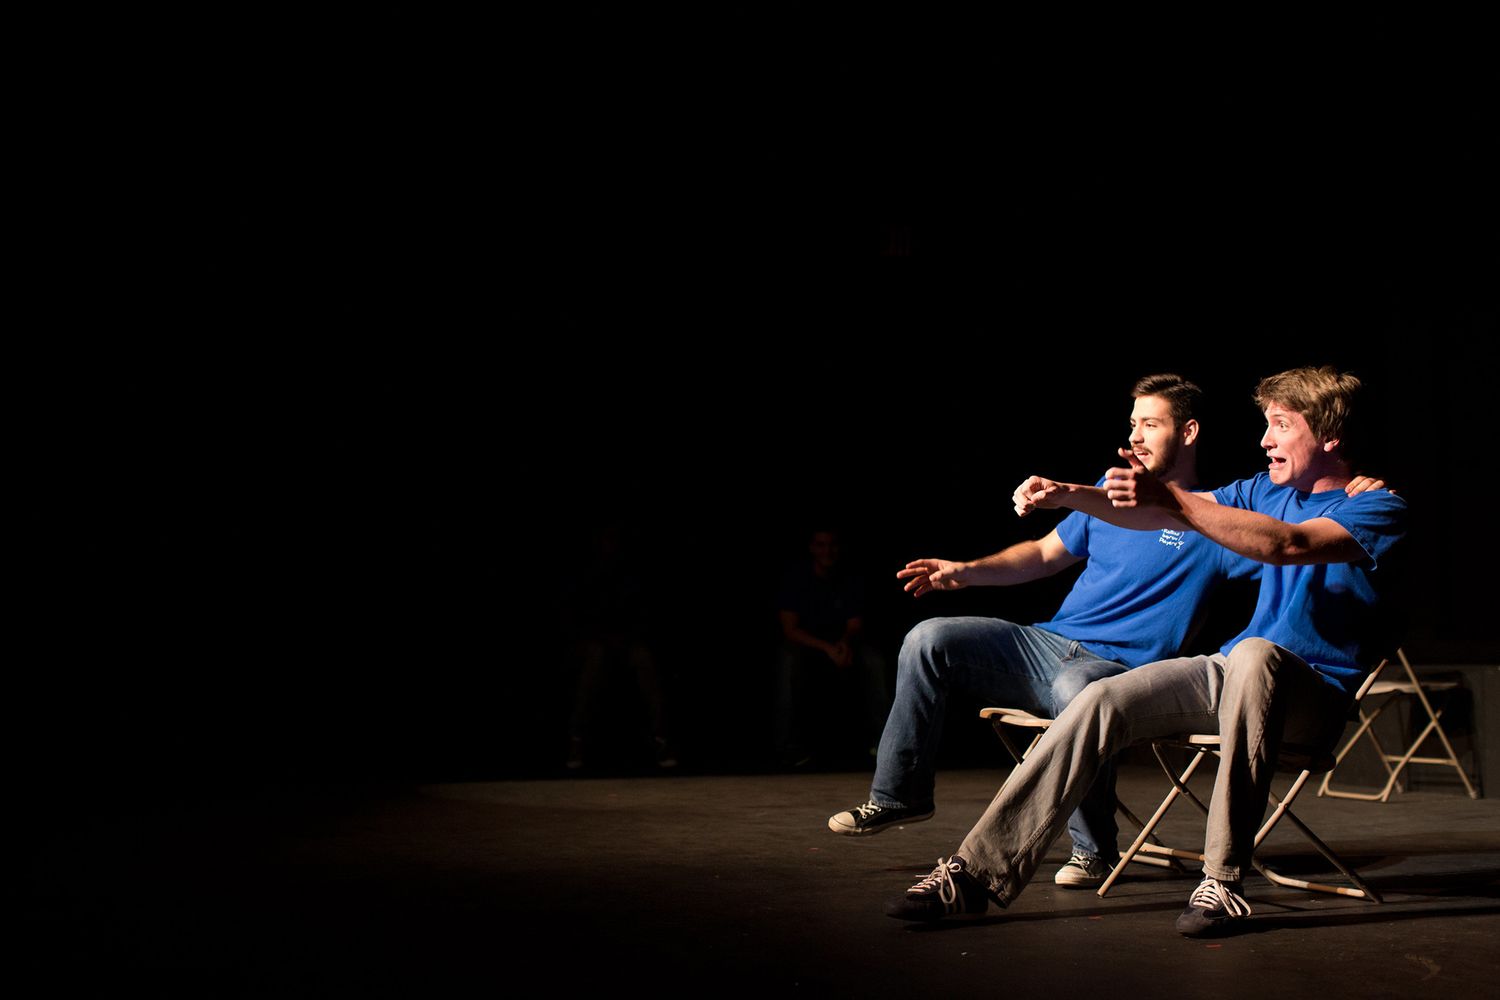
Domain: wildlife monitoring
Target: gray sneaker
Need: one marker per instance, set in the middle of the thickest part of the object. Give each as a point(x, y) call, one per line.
point(872, 818)
point(1082, 872)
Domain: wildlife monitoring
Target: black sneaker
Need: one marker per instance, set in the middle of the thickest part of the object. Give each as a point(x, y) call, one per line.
point(1213, 908)
point(872, 818)
point(949, 891)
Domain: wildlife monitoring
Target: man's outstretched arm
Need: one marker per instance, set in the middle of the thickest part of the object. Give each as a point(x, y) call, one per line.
point(1257, 536)
point(1134, 498)
point(1019, 563)
point(1037, 493)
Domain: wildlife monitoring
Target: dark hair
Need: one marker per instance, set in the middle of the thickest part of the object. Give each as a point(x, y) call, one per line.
point(1180, 394)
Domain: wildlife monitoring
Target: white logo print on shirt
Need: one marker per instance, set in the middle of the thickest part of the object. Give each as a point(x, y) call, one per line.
point(1172, 538)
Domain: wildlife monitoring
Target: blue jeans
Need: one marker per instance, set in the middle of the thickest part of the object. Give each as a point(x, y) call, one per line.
point(998, 663)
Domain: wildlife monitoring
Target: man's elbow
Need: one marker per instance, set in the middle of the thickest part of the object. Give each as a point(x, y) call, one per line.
point(1285, 555)
point(1303, 551)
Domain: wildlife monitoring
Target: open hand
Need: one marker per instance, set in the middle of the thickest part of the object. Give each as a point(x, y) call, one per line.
point(923, 576)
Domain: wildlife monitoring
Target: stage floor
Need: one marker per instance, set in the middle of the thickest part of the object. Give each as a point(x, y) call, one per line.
point(721, 885)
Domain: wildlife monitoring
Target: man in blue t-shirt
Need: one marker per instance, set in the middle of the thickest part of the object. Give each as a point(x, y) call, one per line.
point(1139, 599)
point(1316, 631)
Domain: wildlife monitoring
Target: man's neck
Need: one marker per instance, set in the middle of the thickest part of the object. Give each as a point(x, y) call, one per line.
point(1183, 475)
point(1331, 475)
point(1322, 484)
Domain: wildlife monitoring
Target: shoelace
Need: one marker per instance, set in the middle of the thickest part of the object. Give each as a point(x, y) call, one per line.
point(1212, 894)
point(867, 810)
point(942, 880)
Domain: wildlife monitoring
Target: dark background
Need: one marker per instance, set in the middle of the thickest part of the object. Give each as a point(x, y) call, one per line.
point(444, 297)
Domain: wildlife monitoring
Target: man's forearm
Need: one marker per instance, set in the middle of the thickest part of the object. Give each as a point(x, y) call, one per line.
point(1264, 538)
point(1092, 500)
point(1019, 563)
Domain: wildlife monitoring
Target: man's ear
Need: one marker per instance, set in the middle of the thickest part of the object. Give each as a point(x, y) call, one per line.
point(1330, 444)
point(1190, 432)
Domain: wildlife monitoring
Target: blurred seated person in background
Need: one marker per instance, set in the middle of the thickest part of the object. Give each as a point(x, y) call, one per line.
point(824, 649)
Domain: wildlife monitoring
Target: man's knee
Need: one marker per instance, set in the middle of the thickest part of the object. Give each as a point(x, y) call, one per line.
point(1251, 672)
point(931, 640)
point(1096, 706)
point(934, 633)
point(924, 652)
point(1253, 660)
point(1065, 687)
point(923, 638)
point(1070, 683)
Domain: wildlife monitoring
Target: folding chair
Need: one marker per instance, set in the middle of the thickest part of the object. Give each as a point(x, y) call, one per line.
point(1307, 761)
point(1397, 691)
point(1001, 717)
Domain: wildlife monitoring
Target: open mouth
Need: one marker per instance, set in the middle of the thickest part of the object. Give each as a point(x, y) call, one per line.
point(1276, 461)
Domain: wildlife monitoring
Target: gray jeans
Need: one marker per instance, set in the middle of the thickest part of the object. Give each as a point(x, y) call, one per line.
point(1253, 698)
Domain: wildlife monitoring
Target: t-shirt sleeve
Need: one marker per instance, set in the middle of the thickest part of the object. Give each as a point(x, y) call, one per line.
point(1376, 520)
point(1238, 567)
point(1240, 493)
point(1074, 532)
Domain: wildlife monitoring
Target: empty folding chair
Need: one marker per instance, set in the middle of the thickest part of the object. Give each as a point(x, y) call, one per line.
point(1394, 692)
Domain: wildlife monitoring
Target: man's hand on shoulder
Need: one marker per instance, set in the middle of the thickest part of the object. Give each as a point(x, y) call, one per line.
point(1364, 484)
point(923, 576)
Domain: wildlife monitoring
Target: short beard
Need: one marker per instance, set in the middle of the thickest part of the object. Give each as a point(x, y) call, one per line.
point(1163, 461)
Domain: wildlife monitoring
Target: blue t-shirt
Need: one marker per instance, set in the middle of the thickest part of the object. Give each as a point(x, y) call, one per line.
point(1328, 614)
point(1140, 597)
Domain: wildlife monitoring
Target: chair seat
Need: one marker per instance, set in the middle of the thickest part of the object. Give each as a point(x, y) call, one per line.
point(1015, 717)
